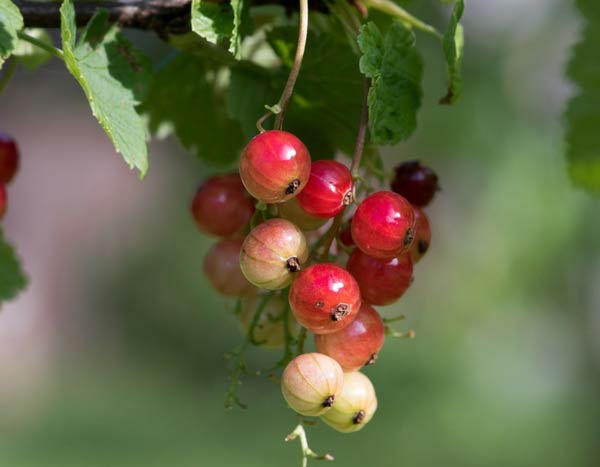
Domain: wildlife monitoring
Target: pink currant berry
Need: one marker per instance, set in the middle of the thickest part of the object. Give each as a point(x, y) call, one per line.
point(9, 158)
point(269, 331)
point(325, 298)
point(422, 239)
point(328, 191)
point(275, 166)
point(221, 206)
point(311, 383)
point(355, 406)
point(383, 225)
point(415, 182)
point(222, 269)
point(356, 345)
point(346, 234)
point(292, 211)
point(381, 281)
point(3, 200)
point(272, 253)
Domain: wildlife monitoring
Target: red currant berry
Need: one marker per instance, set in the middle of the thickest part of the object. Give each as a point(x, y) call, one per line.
point(422, 239)
point(381, 281)
point(221, 206)
point(272, 253)
point(346, 235)
point(325, 298)
point(222, 269)
point(275, 166)
point(416, 182)
point(383, 225)
point(9, 158)
point(355, 406)
point(3, 200)
point(356, 345)
point(328, 191)
point(269, 331)
point(311, 383)
point(292, 211)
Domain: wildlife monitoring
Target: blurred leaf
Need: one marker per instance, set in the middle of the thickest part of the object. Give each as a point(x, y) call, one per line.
point(583, 111)
point(235, 46)
point(113, 76)
point(11, 22)
point(217, 22)
point(29, 55)
point(12, 278)
point(396, 69)
point(182, 101)
point(453, 50)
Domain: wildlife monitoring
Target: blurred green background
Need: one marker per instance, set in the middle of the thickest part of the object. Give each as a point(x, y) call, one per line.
point(113, 356)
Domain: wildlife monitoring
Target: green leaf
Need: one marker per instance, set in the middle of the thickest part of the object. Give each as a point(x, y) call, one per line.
point(114, 78)
point(182, 101)
point(11, 22)
point(12, 278)
point(396, 70)
point(220, 21)
point(29, 55)
point(583, 111)
point(235, 46)
point(453, 45)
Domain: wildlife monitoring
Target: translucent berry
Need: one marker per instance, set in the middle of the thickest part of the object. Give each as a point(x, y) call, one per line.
point(291, 211)
point(383, 225)
point(311, 383)
point(9, 158)
point(275, 166)
point(358, 344)
point(222, 269)
point(328, 191)
point(269, 331)
point(355, 407)
point(273, 253)
point(221, 206)
point(3, 200)
point(422, 239)
point(381, 281)
point(325, 298)
point(416, 182)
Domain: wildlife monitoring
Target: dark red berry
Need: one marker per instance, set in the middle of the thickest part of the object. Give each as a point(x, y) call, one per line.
point(383, 225)
point(325, 298)
point(346, 235)
point(3, 200)
point(356, 345)
point(381, 281)
point(422, 236)
point(221, 206)
point(222, 269)
point(416, 182)
point(9, 158)
point(328, 191)
point(275, 166)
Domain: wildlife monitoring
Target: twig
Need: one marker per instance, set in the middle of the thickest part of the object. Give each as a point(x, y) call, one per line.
point(41, 44)
point(307, 452)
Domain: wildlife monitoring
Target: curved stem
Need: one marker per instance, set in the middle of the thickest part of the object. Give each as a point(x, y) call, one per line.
point(41, 44)
point(8, 72)
point(289, 86)
point(307, 452)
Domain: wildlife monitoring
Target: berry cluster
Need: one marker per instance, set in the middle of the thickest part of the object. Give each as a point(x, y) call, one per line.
point(273, 219)
point(9, 164)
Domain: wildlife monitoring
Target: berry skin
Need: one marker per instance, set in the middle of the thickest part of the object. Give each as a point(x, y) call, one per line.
point(383, 225)
point(292, 211)
point(222, 269)
point(9, 158)
point(3, 200)
point(325, 298)
point(416, 182)
point(275, 166)
point(272, 253)
point(328, 191)
point(356, 345)
point(269, 331)
point(422, 239)
point(312, 383)
point(381, 281)
point(346, 235)
point(355, 406)
point(221, 206)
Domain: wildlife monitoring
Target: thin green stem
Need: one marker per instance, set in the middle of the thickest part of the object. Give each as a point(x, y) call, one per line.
point(395, 10)
point(9, 71)
point(301, 341)
point(41, 44)
point(307, 452)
